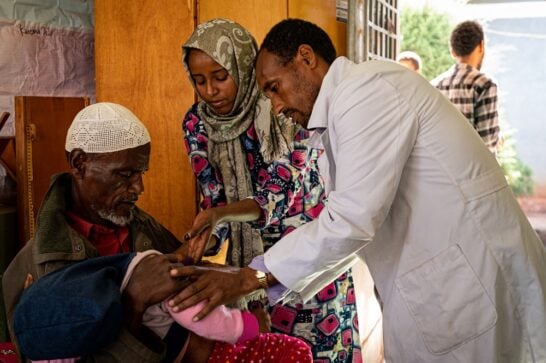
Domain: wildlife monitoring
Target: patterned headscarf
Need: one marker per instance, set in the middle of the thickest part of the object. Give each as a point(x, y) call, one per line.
point(234, 48)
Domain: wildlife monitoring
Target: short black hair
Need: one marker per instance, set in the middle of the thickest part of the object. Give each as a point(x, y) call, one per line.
point(284, 39)
point(466, 37)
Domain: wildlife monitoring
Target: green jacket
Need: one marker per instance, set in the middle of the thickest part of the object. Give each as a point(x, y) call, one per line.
point(56, 244)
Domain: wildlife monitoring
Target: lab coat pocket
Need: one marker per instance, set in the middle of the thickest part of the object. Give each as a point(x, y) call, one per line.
point(447, 301)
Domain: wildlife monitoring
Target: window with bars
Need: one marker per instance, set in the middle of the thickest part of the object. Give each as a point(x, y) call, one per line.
point(382, 28)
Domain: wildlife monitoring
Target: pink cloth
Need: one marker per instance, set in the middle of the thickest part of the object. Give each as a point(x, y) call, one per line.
point(223, 324)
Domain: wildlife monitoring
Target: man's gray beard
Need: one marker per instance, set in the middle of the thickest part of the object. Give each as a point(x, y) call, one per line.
point(115, 219)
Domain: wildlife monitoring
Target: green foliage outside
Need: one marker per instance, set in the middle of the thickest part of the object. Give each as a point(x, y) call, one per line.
point(519, 175)
point(426, 32)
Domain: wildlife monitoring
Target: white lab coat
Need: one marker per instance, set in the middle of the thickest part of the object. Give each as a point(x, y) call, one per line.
point(413, 190)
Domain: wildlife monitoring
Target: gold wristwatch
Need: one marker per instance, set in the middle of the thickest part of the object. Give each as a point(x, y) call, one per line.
point(262, 279)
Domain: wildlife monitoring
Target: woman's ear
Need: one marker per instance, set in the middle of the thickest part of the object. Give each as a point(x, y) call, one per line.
point(77, 159)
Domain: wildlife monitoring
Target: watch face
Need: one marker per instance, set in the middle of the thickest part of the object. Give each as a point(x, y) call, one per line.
point(262, 279)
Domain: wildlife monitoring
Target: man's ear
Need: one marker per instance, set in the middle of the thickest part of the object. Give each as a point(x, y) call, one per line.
point(307, 55)
point(482, 46)
point(77, 159)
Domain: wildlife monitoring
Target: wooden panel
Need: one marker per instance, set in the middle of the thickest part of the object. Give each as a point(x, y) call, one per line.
point(138, 64)
point(322, 13)
point(40, 128)
point(257, 16)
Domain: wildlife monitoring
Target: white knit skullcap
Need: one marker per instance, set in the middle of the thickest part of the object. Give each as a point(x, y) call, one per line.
point(105, 127)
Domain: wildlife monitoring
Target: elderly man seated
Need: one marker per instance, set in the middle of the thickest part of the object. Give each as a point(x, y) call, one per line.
point(79, 290)
point(90, 211)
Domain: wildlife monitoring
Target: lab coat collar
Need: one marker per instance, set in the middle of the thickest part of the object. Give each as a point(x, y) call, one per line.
point(335, 75)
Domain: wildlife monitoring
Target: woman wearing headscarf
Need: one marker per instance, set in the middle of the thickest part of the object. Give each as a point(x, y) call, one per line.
point(240, 151)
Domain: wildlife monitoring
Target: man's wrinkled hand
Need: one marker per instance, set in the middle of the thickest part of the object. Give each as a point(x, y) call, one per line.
point(218, 285)
point(151, 281)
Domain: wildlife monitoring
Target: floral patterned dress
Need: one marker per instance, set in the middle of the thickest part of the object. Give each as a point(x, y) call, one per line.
point(290, 193)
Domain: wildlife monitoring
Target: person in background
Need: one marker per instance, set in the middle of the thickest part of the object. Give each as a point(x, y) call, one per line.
point(253, 165)
point(415, 193)
point(471, 91)
point(91, 211)
point(410, 60)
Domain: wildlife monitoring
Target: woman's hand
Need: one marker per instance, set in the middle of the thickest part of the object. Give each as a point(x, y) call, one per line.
point(200, 234)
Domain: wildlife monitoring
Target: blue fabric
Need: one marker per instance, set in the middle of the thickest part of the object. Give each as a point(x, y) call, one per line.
point(175, 339)
point(73, 311)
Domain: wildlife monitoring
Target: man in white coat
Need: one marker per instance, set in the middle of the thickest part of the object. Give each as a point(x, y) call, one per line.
point(413, 191)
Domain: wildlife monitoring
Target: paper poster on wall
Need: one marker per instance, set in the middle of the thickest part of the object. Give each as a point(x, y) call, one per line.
point(45, 50)
point(342, 10)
